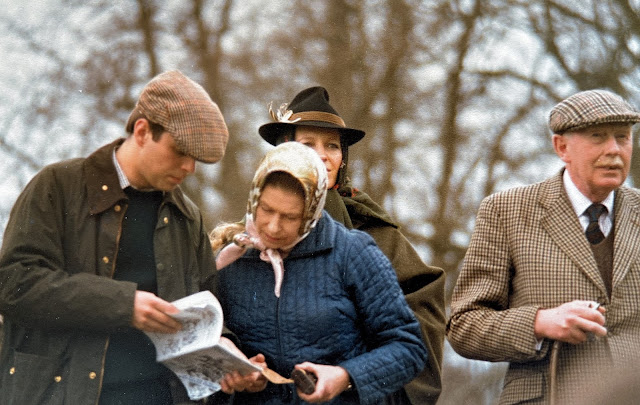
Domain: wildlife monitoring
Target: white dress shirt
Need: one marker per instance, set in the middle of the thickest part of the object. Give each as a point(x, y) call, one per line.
point(580, 203)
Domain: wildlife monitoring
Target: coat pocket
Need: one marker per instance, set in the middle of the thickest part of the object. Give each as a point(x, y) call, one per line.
point(33, 379)
point(527, 387)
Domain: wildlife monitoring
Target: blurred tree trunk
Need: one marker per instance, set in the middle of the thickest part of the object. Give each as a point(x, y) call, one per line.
point(146, 24)
point(450, 141)
point(202, 31)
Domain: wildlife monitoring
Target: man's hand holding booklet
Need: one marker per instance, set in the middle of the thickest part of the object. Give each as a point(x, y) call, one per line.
point(194, 353)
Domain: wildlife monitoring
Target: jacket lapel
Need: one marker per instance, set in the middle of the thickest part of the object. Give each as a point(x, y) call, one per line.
point(627, 233)
point(563, 226)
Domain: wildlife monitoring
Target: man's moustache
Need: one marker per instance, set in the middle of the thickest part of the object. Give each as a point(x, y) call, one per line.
point(616, 163)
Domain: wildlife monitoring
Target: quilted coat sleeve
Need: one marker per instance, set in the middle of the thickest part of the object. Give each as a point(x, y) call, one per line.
point(482, 324)
point(396, 353)
point(423, 288)
point(35, 287)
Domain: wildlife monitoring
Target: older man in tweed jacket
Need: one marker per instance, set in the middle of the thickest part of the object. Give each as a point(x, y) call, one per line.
point(552, 273)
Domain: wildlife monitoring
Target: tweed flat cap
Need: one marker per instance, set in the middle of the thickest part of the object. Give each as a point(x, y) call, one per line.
point(186, 111)
point(588, 108)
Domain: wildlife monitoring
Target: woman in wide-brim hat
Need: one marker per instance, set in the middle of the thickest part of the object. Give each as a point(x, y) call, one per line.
point(310, 119)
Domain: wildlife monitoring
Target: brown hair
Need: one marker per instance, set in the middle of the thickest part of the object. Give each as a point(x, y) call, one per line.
point(156, 129)
point(284, 181)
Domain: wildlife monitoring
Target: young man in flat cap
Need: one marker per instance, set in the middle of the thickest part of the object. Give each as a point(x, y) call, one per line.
point(551, 279)
point(97, 247)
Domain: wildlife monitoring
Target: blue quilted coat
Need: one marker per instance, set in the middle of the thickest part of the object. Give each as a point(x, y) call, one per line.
point(340, 304)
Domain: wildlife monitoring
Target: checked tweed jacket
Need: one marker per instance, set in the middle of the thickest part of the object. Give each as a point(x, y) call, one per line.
point(528, 251)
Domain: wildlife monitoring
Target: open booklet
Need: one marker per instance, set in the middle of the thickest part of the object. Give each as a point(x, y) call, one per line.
point(193, 353)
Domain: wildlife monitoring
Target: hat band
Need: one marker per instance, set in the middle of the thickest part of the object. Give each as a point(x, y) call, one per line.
point(318, 116)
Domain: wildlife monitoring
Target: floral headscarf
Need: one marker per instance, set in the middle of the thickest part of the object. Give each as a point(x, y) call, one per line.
point(304, 164)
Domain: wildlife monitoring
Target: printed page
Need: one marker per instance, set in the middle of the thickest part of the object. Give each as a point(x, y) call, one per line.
point(200, 371)
point(201, 318)
point(193, 353)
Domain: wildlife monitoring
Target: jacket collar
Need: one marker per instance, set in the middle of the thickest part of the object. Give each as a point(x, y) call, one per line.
point(320, 238)
point(103, 186)
point(627, 232)
point(362, 209)
point(563, 226)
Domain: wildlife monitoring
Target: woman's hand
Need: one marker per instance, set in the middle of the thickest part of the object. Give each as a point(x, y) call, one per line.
point(253, 382)
point(332, 381)
point(234, 381)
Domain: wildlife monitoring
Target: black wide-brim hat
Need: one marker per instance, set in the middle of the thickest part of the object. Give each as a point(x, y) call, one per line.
point(310, 108)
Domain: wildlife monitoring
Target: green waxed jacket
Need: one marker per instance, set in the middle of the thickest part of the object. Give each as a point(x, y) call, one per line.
point(423, 285)
point(57, 296)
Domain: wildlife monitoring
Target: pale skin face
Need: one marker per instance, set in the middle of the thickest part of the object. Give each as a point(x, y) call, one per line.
point(326, 143)
point(597, 158)
point(278, 217)
point(150, 164)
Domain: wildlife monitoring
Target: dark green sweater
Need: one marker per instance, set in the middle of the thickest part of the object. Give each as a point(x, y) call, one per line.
point(130, 360)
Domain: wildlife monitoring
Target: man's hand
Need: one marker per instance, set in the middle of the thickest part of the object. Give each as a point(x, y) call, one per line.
point(253, 382)
point(151, 314)
point(332, 381)
point(570, 322)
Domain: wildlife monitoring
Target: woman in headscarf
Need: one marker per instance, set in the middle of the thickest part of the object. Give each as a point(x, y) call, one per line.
point(306, 293)
point(312, 121)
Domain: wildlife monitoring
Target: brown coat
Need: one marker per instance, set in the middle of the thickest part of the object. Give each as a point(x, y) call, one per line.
point(528, 251)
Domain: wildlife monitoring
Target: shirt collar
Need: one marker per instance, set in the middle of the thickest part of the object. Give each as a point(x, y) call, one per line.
point(579, 201)
point(122, 178)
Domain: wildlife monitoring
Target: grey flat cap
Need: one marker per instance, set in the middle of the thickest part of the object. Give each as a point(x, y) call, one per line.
point(588, 108)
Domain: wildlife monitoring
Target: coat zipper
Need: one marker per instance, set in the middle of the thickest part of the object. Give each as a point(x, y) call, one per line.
point(278, 337)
